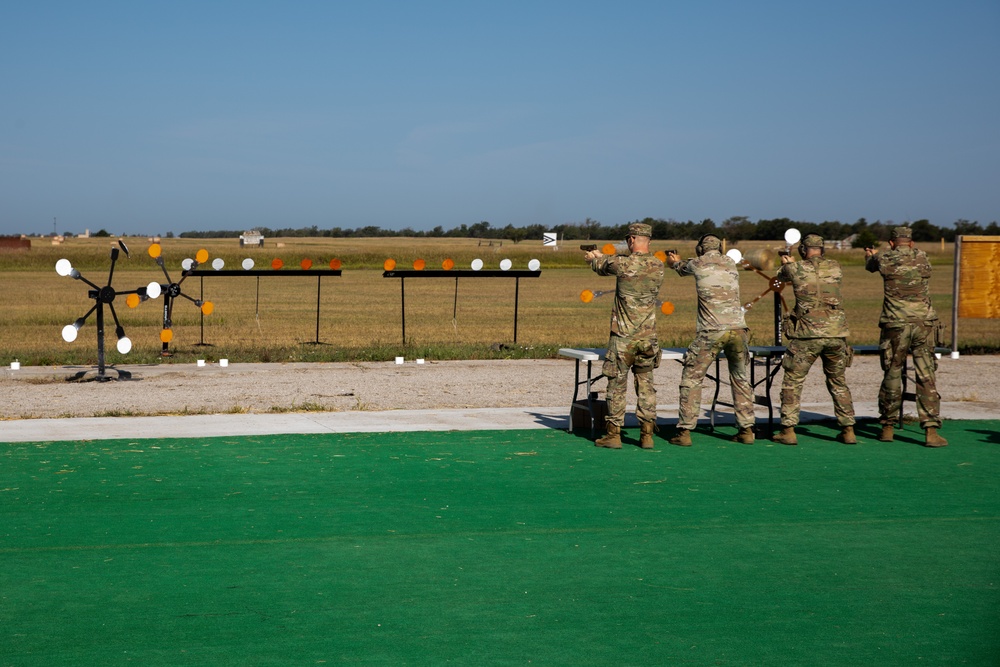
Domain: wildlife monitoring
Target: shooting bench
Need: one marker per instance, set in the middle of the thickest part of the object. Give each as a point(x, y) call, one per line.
point(589, 409)
point(772, 355)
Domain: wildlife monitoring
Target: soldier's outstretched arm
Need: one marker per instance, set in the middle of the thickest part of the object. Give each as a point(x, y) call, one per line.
point(675, 262)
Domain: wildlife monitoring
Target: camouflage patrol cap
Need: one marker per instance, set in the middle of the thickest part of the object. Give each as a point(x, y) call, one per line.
point(901, 233)
point(812, 241)
point(640, 229)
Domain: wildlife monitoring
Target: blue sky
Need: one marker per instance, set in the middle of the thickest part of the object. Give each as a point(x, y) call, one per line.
point(149, 117)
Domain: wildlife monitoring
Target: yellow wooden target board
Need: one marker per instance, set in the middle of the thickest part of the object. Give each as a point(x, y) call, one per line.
point(979, 277)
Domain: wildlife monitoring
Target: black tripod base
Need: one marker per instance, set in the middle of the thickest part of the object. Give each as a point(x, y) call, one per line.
point(96, 375)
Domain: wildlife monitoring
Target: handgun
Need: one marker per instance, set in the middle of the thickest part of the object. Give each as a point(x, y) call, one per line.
point(589, 248)
point(782, 253)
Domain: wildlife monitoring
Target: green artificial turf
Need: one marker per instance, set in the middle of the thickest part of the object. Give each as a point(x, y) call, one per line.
point(501, 548)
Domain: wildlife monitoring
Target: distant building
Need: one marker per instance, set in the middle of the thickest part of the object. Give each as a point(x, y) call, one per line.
point(845, 244)
point(8, 243)
point(252, 238)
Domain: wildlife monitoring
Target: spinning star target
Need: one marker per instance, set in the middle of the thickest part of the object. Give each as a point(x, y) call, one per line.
point(104, 296)
point(173, 290)
point(757, 261)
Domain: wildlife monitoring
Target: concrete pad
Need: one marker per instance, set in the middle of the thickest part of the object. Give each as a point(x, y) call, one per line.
point(473, 419)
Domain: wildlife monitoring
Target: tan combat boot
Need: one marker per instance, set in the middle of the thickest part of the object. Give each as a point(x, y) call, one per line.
point(682, 438)
point(933, 439)
point(745, 436)
point(613, 437)
point(847, 436)
point(646, 434)
point(786, 436)
point(887, 433)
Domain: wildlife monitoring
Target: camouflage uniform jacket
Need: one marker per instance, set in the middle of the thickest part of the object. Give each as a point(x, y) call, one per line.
point(906, 274)
point(819, 309)
point(640, 276)
point(718, 283)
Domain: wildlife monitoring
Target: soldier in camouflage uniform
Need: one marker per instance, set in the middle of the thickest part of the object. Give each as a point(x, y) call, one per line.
point(816, 328)
point(632, 344)
point(909, 324)
point(721, 326)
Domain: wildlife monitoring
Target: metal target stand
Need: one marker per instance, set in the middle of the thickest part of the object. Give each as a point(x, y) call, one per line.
point(273, 273)
point(456, 274)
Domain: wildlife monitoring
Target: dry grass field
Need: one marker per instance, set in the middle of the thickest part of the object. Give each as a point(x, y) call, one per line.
point(274, 319)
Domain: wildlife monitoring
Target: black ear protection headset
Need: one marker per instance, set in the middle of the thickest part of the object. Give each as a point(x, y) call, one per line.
point(699, 249)
point(803, 249)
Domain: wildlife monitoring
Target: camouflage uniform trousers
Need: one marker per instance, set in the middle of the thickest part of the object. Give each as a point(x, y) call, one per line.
point(700, 356)
point(799, 358)
point(640, 356)
point(918, 339)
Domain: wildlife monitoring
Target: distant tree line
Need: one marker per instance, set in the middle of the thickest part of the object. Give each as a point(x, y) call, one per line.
point(734, 229)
